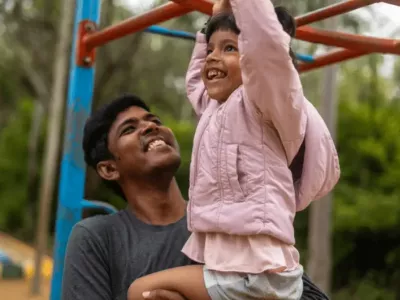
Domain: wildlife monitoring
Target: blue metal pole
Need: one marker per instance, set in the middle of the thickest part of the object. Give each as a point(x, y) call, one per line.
point(72, 178)
point(305, 58)
point(170, 32)
point(106, 207)
point(191, 36)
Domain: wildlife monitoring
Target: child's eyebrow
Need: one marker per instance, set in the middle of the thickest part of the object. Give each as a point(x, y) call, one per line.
point(227, 40)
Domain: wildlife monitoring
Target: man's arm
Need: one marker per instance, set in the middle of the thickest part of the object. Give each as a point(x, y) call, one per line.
point(86, 272)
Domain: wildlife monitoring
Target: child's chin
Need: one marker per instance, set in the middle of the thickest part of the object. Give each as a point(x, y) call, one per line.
point(217, 95)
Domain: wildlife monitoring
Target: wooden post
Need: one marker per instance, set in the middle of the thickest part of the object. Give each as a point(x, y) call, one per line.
point(319, 265)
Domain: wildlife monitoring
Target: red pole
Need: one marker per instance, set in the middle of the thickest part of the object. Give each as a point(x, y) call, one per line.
point(331, 58)
point(333, 10)
point(347, 40)
point(203, 6)
point(393, 2)
point(157, 15)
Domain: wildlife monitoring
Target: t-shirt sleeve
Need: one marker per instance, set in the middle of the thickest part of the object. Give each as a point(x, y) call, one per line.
point(86, 271)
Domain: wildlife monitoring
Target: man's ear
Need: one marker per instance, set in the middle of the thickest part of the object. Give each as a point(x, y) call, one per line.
point(108, 170)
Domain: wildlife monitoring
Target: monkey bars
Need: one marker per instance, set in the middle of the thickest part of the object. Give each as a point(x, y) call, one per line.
point(87, 38)
point(353, 45)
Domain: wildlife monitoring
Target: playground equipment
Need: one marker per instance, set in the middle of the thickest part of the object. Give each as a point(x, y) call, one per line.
point(87, 38)
point(17, 259)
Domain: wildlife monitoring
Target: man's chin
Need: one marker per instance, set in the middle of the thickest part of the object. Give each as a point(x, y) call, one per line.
point(165, 163)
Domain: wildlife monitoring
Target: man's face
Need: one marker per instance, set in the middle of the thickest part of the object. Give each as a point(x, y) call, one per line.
point(141, 146)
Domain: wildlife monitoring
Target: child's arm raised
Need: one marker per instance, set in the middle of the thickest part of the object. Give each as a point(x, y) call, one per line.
point(270, 79)
point(195, 89)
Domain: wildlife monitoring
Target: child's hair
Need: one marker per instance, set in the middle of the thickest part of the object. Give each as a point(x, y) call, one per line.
point(226, 21)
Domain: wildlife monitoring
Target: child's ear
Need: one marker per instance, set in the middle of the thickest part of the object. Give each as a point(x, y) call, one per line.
point(108, 170)
point(286, 19)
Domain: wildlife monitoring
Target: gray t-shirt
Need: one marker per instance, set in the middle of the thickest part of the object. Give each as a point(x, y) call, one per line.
point(105, 254)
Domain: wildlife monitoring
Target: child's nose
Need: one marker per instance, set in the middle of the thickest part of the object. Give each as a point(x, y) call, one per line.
point(213, 56)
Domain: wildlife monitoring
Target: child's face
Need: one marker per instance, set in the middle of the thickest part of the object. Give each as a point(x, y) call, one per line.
point(221, 72)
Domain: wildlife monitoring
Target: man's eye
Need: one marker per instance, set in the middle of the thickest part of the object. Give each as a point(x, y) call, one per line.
point(128, 129)
point(158, 122)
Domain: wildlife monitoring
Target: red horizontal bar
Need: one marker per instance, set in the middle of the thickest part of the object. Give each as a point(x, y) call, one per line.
point(347, 40)
point(331, 58)
point(202, 6)
point(393, 2)
point(332, 10)
point(157, 15)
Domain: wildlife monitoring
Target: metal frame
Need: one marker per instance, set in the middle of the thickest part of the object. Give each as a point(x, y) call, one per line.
point(87, 38)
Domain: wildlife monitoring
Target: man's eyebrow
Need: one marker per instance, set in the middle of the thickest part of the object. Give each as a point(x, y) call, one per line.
point(127, 121)
point(150, 116)
point(147, 117)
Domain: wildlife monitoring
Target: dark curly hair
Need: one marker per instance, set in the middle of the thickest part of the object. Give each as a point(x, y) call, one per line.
point(226, 21)
point(97, 127)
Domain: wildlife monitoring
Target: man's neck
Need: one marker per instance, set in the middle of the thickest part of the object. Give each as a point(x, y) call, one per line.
point(156, 205)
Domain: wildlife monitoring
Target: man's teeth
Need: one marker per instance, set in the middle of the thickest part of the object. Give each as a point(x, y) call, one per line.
point(156, 144)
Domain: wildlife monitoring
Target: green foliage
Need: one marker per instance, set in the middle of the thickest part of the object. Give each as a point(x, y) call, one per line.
point(184, 131)
point(13, 165)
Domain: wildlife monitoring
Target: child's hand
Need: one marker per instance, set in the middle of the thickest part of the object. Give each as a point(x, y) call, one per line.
point(221, 6)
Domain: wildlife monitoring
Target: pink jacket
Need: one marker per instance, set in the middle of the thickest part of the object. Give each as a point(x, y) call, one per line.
point(240, 182)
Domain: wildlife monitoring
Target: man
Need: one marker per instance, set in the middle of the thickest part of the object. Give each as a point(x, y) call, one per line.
point(138, 157)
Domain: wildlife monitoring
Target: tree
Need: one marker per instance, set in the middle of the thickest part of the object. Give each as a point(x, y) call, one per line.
point(54, 129)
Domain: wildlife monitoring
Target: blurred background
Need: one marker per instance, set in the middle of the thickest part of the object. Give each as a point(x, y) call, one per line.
point(349, 242)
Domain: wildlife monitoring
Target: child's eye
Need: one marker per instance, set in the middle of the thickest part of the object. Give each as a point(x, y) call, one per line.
point(209, 51)
point(230, 48)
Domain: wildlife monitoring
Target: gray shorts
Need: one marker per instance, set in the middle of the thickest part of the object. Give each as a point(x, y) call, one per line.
point(237, 286)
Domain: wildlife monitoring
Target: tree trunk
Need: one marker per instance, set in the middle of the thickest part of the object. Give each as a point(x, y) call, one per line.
point(34, 137)
point(319, 265)
point(50, 162)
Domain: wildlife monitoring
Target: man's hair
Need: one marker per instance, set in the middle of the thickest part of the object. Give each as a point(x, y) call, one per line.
point(97, 127)
point(226, 21)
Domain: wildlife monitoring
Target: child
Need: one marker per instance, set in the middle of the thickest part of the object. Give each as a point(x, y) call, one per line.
point(245, 181)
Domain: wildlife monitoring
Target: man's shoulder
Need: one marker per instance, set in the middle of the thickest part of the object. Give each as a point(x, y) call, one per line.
point(97, 227)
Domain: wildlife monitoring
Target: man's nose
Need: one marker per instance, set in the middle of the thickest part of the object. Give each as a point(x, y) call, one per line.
point(149, 127)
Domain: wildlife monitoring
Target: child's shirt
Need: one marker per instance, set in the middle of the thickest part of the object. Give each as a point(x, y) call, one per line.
point(240, 181)
point(244, 254)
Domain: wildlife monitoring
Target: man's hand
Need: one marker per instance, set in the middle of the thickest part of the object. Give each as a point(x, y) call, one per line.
point(162, 295)
point(221, 6)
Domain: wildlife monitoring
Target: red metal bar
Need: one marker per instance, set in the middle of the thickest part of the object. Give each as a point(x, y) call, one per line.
point(333, 10)
point(157, 15)
point(203, 6)
point(393, 2)
point(85, 57)
point(331, 58)
point(347, 40)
